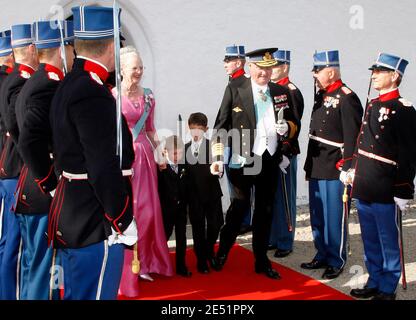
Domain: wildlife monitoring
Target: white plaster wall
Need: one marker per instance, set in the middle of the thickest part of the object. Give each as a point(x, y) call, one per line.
point(183, 41)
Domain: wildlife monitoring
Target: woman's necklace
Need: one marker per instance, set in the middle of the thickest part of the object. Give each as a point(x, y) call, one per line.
point(133, 96)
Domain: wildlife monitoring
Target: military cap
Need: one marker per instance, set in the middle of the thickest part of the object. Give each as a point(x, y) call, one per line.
point(325, 59)
point(22, 35)
point(234, 52)
point(47, 34)
point(282, 56)
point(93, 23)
point(262, 57)
point(389, 62)
point(5, 46)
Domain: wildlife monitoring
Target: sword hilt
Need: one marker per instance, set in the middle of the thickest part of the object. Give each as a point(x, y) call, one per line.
point(345, 195)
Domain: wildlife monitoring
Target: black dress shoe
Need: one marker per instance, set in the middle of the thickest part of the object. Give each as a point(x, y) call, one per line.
point(271, 247)
point(364, 293)
point(331, 272)
point(214, 263)
point(184, 272)
point(202, 268)
point(269, 272)
point(217, 263)
point(384, 296)
point(314, 264)
point(282, 253)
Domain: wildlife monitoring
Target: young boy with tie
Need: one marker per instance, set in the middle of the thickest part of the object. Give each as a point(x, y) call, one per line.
point(172, 199)
point(204, 193)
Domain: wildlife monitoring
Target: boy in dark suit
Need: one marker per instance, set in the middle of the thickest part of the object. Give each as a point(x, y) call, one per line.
point(172, 196)
point(204, 193)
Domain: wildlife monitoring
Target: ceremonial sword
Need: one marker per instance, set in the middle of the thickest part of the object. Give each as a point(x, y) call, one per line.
point(280, 118)
point(402, 263)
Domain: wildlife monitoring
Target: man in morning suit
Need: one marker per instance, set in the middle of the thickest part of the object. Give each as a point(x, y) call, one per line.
point(255, 114)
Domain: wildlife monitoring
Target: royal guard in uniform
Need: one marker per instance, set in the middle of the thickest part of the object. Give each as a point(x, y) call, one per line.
point(335, 122)
point(32, 204)
point(234, 62)
point(254, 114)
point(91, 213)
point(6, 67)
point(26, 59)
point(282, 234)
point(382, 176)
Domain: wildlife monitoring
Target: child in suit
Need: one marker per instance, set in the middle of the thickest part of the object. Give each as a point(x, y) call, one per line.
point(172, 198)
point(203, 192)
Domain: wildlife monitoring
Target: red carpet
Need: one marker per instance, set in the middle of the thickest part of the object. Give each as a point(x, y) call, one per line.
point(237, 281)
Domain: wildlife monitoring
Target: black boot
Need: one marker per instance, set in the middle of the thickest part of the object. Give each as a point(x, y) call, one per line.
point(364, 293)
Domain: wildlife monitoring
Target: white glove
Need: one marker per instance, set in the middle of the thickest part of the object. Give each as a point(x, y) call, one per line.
point(237, 161)
point(343, 176)
point(281, 127)
point(347, 177)
point(217, 168)
point(350, 176)
point(128, 237)
point(401, 203)
point(284, 164)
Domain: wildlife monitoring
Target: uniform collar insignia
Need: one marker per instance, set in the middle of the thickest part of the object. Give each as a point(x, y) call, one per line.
point(92, 66)
point(53, 72)
point(53, 76)
point(96, 78)
point(25, 71)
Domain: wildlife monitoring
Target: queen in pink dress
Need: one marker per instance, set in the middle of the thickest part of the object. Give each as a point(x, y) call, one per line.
point(153, 251)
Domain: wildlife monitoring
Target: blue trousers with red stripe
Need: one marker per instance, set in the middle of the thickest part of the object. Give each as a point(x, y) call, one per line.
point(36, 258)
point(327, 221)
point(280, 236)
point(379, 232)
point(9, 244)
point(92, 272)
